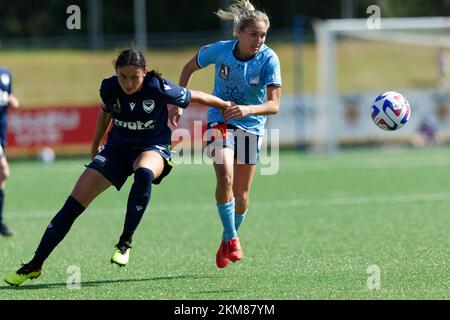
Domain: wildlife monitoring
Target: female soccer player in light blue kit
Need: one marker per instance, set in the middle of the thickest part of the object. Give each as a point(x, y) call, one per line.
point(247, 72)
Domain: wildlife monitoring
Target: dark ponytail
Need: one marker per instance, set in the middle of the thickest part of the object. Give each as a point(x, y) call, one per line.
point(134, 57)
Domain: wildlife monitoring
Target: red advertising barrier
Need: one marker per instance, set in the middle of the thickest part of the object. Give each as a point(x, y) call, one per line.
point(69, 130)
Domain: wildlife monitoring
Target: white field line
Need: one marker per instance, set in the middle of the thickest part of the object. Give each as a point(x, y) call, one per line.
point(349, 201)
point(307, 165)
point(276, 204)
point(321, 165)
point(371, 164)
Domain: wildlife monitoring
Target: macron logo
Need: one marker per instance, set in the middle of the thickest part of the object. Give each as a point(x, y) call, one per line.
point(132, 104)
point(166, 87)
point(139, 208)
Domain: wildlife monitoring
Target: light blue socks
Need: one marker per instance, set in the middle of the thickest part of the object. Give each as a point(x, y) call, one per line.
point(226, 213)
point(238, 219)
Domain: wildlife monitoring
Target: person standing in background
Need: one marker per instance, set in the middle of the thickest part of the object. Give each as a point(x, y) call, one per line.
point(7, 100)
point(443, 67)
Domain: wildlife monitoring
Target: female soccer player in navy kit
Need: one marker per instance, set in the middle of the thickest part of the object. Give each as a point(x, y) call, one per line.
point(139, 142)
point(247, 72)
point(7, 100)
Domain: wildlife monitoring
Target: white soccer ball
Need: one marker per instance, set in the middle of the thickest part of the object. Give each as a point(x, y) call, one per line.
point(390, 111)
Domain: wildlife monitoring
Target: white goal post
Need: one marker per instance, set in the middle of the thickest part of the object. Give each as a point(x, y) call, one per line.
point(398, 30)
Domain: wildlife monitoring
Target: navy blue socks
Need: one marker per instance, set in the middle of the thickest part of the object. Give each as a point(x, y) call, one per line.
point(62, 222)
point(138, 200)
point(57, 230)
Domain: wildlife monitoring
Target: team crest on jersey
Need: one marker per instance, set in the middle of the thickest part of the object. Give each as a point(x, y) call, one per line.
point(148, 105)
point(5, 79)
point(254, 80)
point(224, 71)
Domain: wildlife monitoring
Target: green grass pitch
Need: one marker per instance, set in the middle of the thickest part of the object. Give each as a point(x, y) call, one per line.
point(313, 231)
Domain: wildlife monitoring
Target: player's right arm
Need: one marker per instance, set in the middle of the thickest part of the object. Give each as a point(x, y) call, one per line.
point(189, 68)
point(103, 120)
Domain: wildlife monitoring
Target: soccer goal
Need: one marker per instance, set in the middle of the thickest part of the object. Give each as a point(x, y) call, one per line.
point(356, 61)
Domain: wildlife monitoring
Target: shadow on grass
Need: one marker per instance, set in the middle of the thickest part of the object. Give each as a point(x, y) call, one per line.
point(31, 286)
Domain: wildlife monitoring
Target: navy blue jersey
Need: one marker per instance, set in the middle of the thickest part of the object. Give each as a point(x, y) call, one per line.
point(140, 119)
point(5, 91)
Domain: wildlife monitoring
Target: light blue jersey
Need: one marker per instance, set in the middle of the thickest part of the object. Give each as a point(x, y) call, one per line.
point(241, 81)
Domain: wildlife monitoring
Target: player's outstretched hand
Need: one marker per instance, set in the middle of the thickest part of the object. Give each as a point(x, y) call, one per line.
point(230, 105)
point(236, 112)
point(174, 114)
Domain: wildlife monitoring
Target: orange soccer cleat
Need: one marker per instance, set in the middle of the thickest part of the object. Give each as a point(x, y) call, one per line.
point(234, 250)
point(221, 256)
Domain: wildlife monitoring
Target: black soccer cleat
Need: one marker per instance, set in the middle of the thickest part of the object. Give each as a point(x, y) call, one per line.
point(5, 231)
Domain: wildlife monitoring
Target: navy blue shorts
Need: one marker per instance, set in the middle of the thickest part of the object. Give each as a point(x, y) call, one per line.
point(116, 164)
point(246, 145)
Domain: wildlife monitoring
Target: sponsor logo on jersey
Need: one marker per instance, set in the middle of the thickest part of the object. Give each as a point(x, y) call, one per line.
point(135, 125)
point(254, 80)
point(148, 105)
point(224, 71)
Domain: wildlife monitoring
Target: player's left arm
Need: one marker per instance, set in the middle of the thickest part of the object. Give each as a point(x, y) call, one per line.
point(181, 96)
point(210, 100)
point(13, 101)
point(269, 107)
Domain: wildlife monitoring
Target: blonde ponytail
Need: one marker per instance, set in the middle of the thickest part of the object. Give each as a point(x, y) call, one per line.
point(242, 13)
